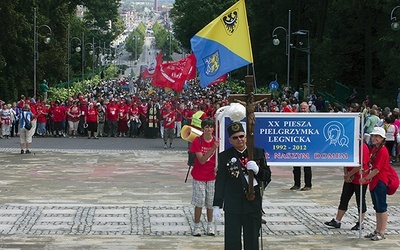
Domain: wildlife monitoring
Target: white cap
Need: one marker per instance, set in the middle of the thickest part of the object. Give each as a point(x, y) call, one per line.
point(379, 131)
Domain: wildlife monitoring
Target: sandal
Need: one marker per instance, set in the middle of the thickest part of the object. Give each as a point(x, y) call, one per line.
point(370, 235)
point(378, 236)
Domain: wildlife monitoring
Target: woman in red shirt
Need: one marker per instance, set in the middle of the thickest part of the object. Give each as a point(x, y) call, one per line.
point(122, 119)
point(91, 120)
point(58, 113)
point(379, 169)
point(42, 112)
point(73, 114)
point(134, 121)
point(352, 186)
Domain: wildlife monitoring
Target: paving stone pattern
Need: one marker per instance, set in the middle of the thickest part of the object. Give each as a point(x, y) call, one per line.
point(165, 220)
point(140, 200)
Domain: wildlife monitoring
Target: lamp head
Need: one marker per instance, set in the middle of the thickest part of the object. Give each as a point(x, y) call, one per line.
point(276, 41)
point(78, 49)
point(47, 40)
point(395, 25)
point(300, 32)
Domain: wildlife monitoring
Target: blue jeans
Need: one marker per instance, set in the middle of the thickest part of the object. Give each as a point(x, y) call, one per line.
point(41, 128)
point(133, 129)
point(378, 197)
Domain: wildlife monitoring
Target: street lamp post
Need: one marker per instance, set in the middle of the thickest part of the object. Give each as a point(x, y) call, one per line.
point(91, 52)
point(135, 38)
point(35, 48)
point(395, 24)
point(116, 59)
point(308, 51)
point(109, 54)
point(94, 52)
point(170, 46)
point(276, 42)
point(77, 49)
point(83, 57)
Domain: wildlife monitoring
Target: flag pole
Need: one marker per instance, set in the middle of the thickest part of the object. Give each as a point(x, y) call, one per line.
point(254, 77)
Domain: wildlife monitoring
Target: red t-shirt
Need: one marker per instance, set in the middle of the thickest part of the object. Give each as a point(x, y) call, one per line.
point(33, 110)
point(42, 114)
point(203, 172)
point(356, 176)
point(134, 111)
point(58, 113)
point(178, 112)
point(287, 109)
point(143, 110)
point(91, 115)
point(83, 108)
point(112, 112)
point(169, 118)
point(74, 114)
point(188, 113)
point(122, 111)
point(382, 163)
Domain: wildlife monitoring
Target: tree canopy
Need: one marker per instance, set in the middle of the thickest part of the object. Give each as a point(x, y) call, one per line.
point(17, 39)
point(351, 41)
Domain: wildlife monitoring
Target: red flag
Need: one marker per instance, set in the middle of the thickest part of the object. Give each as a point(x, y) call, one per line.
point(149, 72)
point(174, 74)
point(192, 71)
point(219, 80)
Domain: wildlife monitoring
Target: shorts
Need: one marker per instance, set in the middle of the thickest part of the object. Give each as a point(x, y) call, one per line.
point(168, 134)
point(25, 136)
point(92, 126)
point(203, 193)
point(73, 126)
point(378, 197)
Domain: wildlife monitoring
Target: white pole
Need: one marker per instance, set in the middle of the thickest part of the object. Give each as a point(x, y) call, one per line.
point(35, 52)
point(288, 49)
point(360, 219)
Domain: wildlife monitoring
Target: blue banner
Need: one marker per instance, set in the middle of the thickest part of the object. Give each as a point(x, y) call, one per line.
point(305, 139)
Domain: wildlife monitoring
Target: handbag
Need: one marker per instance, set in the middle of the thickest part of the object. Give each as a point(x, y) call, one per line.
point(28, 125)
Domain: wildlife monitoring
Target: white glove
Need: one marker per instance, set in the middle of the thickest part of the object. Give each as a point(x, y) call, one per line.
point(217, 214)
point(255, 183)
point(252, 165)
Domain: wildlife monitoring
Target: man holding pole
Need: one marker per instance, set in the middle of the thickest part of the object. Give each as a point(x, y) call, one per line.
point(232, 187)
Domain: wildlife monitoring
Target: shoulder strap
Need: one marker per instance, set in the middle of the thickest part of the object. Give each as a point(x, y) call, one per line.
point(23, 115)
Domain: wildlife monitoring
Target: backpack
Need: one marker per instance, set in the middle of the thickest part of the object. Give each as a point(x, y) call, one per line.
point(393, 183)
point(28, 124)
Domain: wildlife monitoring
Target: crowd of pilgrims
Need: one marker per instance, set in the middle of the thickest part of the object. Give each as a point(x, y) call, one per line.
point(116, 111)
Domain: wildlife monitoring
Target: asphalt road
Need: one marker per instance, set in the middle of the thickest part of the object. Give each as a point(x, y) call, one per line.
point(103, 143)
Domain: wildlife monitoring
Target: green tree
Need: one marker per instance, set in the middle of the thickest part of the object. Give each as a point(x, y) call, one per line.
point(16, 40)
point(190, 16)
point(135, 41)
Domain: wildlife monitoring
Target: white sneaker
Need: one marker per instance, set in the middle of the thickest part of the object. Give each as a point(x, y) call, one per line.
point(197, 232)
point(210, 231)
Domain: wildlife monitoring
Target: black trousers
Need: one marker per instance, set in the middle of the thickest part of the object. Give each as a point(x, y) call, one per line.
point(250, 223)
point(347, 192)
point(112, 128)
point(307, 176)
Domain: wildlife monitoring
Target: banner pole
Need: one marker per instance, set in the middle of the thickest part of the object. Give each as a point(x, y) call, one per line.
point(360, 219)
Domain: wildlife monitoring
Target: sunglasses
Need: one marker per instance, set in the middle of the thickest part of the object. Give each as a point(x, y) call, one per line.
point(237, 137)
